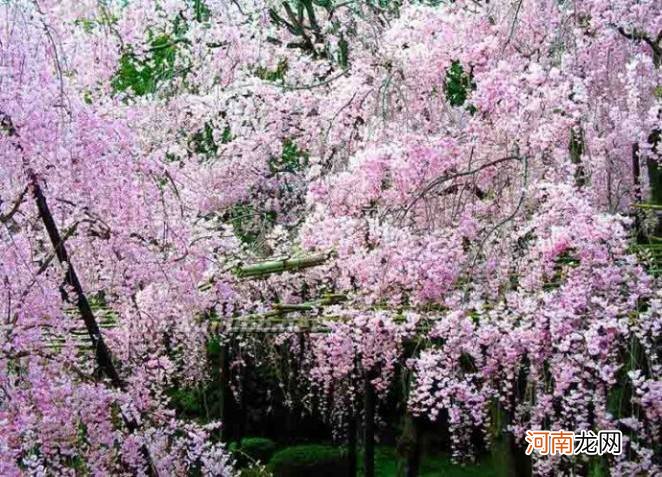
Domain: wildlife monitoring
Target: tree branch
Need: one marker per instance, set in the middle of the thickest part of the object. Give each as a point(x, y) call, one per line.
point(4, 218)
point(440, 180)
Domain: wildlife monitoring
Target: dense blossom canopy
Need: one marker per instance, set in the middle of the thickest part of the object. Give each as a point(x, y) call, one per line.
point(473, 167)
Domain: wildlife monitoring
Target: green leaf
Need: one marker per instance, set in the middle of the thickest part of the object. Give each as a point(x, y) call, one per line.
point(458, 84)
point(292, 159)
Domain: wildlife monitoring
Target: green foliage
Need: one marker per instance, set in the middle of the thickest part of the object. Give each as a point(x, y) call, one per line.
point(292, 159)
point(78, 464)
point(203, 402)
point(103, 19)
point(214, 348)
point(597, 467)
point(202, 141)
point(458, 84)
point(142, 76)
point(187, 401)
point(650, 255)
point(201, 11)
point(619, 397)
point(343, 52)
point(277, 74)
point(309, 460)
point(495, 465)
point(131, 76)
point(226, 135)
point(163, 52)
point(567, 257)
point(87, 24)
point(87, 97)
point(252, 449)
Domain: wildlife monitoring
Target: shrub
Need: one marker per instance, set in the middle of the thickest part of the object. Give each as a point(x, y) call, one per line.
point(257, 448)
point(308, 460)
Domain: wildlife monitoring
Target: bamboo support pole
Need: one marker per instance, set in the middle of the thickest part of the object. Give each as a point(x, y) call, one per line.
point(649, 206)
point(262, 269)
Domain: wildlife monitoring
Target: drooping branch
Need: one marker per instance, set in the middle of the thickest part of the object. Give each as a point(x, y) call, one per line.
point(507, 219)
point(440, 180)
point(103, 354)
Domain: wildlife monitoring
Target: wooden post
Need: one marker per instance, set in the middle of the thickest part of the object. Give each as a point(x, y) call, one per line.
point(368, 429)
point(241, 422)
point(520, 463)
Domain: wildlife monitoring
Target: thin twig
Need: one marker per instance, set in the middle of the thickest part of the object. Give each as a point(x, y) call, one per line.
point(441, 180)
point(17, 203)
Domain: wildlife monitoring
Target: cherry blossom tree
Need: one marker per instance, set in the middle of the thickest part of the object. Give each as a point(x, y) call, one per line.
point(483, 176)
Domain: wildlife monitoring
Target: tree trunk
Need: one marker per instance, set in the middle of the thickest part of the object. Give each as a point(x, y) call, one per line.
point(520, 465)
point(409, 447)
point(351, 445)
point(227, 429)
point(576, 150)
point(368, 429)
point(655, 180)
point(636, 181)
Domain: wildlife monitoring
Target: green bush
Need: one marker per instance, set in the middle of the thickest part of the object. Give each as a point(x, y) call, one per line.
point(309, 460)
point(253, 449)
